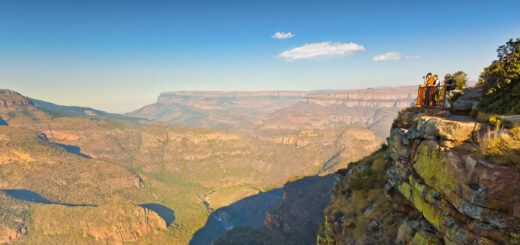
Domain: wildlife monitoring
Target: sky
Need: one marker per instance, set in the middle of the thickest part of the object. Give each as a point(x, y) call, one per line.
point(119, 55)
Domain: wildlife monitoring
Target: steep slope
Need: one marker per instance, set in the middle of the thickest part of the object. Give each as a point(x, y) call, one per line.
point(213, 109)
point(449, 179)
point(294, 220)
point(374, 109)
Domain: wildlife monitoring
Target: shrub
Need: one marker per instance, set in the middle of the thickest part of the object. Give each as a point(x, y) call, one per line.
point(501, 80)
point(502, 147)
point(462, 79)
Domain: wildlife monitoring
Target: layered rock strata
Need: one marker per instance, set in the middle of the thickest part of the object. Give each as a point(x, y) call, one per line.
point(466, 199)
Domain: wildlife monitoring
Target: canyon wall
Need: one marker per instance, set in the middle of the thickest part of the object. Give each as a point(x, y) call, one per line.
point(434, 184)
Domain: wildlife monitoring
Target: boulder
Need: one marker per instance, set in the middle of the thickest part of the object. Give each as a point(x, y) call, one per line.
point(464, 102)
point(453, 128)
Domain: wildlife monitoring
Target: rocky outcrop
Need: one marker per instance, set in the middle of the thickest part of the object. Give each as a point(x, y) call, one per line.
point(467, 99)
point(439, 188)
point(436, 167)
point(12, 100)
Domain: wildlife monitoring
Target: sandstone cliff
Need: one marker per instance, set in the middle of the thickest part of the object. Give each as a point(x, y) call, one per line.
point(448, 179)
point(373, 109)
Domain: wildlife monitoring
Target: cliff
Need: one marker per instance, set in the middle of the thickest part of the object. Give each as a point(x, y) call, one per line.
point(216, 109)
point(396, 97)
point(447, 179)
point(292, 221)
point(373, 109)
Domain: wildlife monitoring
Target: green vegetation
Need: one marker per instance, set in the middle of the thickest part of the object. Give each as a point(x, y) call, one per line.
point(502, 146)
point(501, 80)
point(360, 199)
point(68, 158)
point(462, 79)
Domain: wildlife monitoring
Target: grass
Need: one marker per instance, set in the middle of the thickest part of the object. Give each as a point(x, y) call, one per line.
point(365, 190)
point(501, 146)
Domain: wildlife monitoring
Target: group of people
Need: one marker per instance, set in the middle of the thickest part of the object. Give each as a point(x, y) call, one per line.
point(431, 81)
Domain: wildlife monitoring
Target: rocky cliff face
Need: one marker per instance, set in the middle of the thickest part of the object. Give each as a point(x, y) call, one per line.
point(373, 109)
point(11, 99)
point(440, 187)
point(397, 97)
point(294, 220)
point(437, 168)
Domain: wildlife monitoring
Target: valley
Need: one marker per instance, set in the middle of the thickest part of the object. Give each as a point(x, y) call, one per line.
point(171, 179)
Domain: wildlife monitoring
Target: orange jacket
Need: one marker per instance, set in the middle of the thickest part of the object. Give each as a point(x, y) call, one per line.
point(430, 81)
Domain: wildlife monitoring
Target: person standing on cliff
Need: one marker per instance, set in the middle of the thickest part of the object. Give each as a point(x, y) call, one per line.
point(428, 79)
point(429, 82)
point(450, 83)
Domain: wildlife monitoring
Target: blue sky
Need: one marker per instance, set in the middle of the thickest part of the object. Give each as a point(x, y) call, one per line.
point(119, 55)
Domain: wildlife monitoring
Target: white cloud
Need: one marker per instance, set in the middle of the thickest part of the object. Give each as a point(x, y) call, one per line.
point(323, 49)
point(387, 56)
point(282, 35)
point(411, 57)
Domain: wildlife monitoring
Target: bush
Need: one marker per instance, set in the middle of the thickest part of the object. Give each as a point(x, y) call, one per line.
point(461, 77)
point(502, 147)
point(501, 80)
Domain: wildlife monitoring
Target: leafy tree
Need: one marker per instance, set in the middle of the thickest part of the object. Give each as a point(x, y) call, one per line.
point(462, 79)
point(501, 81)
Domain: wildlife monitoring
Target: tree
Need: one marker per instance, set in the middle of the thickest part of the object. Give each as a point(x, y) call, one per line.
point(462, 79)
point(501, 81)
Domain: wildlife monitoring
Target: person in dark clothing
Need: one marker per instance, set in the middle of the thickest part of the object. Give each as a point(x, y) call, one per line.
point(451, 84)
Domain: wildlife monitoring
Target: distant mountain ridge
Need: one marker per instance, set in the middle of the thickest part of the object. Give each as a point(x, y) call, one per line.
point(373, 109)
point(15, 102)
point(377, 98)
point(259, 113)
point(216, 109)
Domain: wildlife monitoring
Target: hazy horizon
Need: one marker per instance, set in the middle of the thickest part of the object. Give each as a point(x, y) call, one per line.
point(120, 55)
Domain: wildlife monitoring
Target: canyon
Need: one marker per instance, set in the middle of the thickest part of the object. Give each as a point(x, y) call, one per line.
point(190, 184)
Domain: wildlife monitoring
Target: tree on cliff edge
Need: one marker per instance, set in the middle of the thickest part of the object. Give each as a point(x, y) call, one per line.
point(462, 79)
point(501, 80)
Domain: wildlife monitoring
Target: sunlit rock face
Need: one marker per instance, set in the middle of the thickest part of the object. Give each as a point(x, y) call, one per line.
point(438, 188)
point(466, 199)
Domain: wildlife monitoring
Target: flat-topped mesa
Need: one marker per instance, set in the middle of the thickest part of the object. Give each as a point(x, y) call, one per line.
point(397, 97)
point(11, 100)
point(167, 97)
